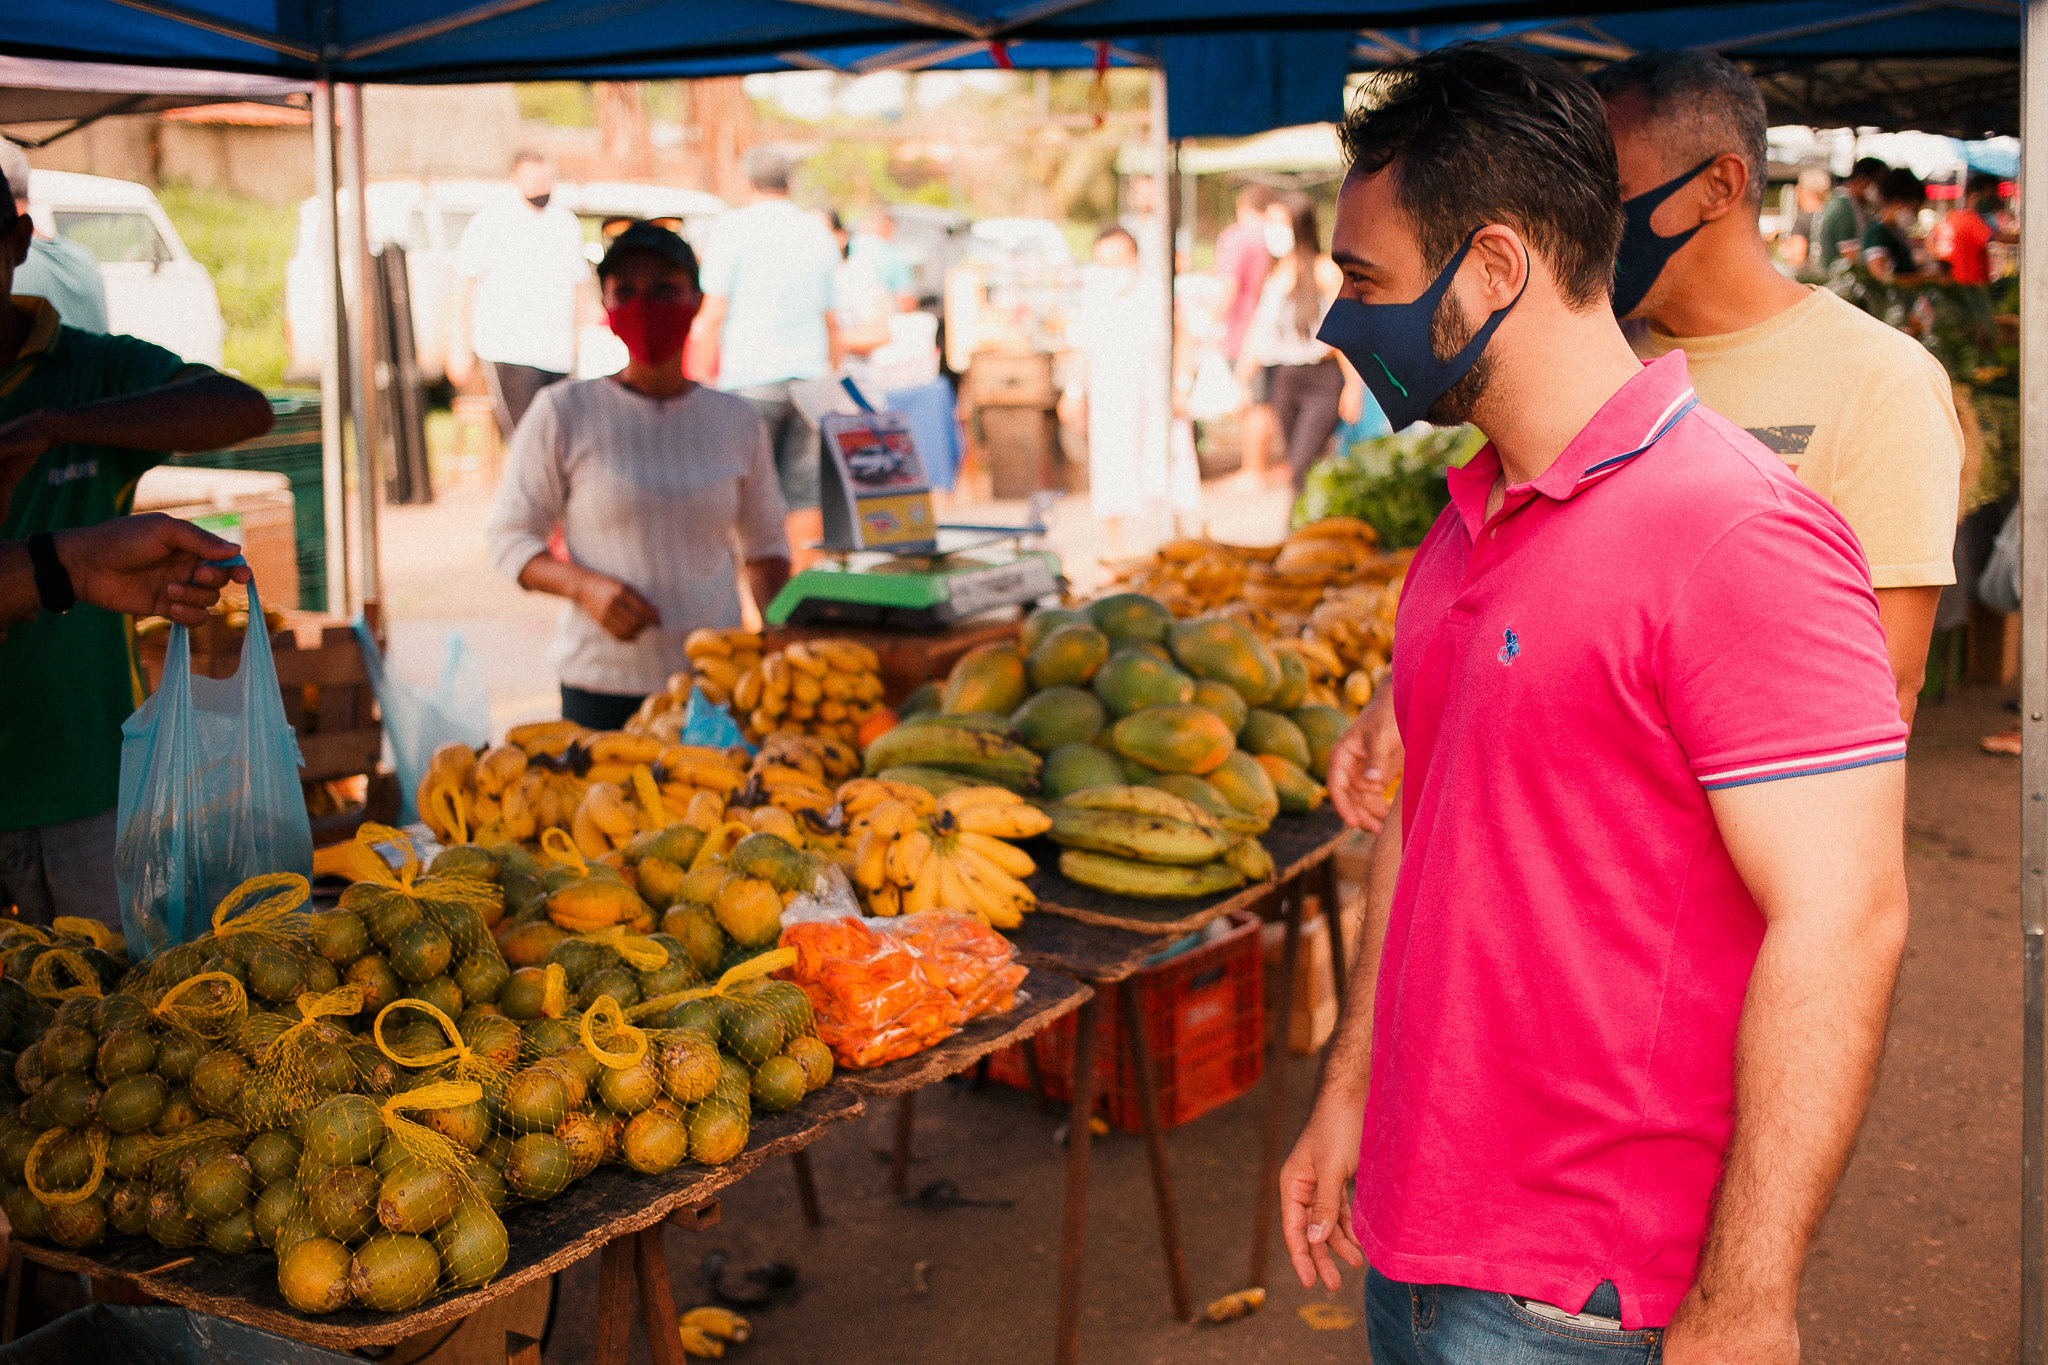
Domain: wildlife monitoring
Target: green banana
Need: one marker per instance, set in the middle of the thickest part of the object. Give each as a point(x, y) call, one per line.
point(1148, 838)
point(1250, 857)
point(1204, 797)
point(1141, 800)
point(937, 781)
point(976, 753)
point(1149, 881)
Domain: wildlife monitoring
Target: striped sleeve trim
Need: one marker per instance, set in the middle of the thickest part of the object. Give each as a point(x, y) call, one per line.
point(1809, 765)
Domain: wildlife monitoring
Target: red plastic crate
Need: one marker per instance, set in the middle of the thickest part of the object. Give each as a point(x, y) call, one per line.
point(1204, 1016)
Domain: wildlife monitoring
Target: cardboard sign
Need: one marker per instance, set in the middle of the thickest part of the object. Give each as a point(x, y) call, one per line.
point(876, 495)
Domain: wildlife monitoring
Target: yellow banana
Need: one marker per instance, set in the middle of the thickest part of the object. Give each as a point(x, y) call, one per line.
point(777, 820)
point(1141, 801)
point(718, 671)
point(590, 839)
point(805, 660)
point(706, 811)
point(698, 1342)
point(892, 818)
point(870, 865)
point(1019, 821)
point(707, 643)
point(973, 862)
point(616, 747)
point(608, 809)
point(907, 857)
point(718, 1322)
point(886, 899)
point(499, 768)
point(719, 777)
point(987, 897)
point(922, 896)
point(545, 737)
point(1008, 857)
point(964, 798)
point(746, 690)
point(453, 763)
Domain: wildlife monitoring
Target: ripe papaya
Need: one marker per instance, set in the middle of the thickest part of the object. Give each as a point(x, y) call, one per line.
point(1057, 716)
point(1133, 679)
point(1223, 699)
point(1044, 622)
point(1076, 767)
point(1175, 739)
point(1131, 616)
point(1322, 727)
point(1226, 652)
point(1244, 784)
point(1068, 656)
point(1269, 732)
point(1298, 792)
point(1293, 681)
point(987, 678)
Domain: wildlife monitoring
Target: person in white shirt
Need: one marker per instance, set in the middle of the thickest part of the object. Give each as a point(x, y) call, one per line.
point(524, 276)
point(769, 272)
point(1310, 386)
point(662, 488)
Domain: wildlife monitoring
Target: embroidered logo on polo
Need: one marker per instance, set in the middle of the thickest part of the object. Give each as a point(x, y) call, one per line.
point(1511, 650)
point(1784, 440)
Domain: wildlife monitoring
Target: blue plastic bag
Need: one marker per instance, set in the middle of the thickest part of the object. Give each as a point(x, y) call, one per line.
point(210, 793)
point(416, 723)
point(707, 723)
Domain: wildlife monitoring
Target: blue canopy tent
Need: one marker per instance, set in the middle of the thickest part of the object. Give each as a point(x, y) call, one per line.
point(358, 41)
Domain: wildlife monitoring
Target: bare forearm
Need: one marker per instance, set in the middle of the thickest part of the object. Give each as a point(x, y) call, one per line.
point(557, 578)
point(1907, 615)
point(1806, 1059)
point(204, 412)
point(765, 578)
point(1347, 1066)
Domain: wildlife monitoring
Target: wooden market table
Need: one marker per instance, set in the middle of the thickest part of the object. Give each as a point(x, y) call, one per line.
point(1103, 940)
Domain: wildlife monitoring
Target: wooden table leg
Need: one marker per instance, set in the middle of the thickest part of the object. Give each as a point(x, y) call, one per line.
point(614, 1302)
point(1074, 1221)
point(657, 1299)
point(806, 1188)
point(899, 1158)
point(1139, 1045)
point(10, 1305)
point(1035, 1074)
point(1265, 1203)
point(1333, 917)
point(521, 1350)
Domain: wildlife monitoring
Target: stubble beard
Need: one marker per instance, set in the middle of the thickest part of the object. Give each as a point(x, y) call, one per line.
point(1449, 331)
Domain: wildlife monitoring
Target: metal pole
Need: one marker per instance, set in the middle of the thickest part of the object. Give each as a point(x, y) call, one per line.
point(364, 393)
point(332, 365)
point(2034, 683)
point(1162, 246)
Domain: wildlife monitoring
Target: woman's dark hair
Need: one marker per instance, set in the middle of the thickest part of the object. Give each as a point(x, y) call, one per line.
point(1901, 186)
point(1308, 245)
point(1481, 133)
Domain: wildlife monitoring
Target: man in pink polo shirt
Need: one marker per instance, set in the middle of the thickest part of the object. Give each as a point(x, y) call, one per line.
point(1632, 931)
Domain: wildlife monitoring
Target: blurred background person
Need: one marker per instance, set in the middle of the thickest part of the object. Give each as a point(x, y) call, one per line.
point(1310, 387)
point(1796, 243)
point(862, 303)
point(524, 279)
point(1120, 331)
point(1839, 232)
point(875, 243)
point(659, 485)
point(770, 271)
point(1887, 246)
point(1963, 237)
point(57, 268)
point(1242, 262)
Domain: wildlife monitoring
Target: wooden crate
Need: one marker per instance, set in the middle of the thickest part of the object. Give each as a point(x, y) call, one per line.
point(1001, 379)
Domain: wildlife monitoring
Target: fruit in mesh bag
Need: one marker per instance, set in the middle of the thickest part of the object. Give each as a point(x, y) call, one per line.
point(392, 1272)
point(313, 1275)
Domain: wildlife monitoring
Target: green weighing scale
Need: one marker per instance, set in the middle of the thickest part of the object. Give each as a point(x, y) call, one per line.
point(894, 566)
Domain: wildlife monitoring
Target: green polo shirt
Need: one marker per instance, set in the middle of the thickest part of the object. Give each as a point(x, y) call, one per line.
point(67, 682)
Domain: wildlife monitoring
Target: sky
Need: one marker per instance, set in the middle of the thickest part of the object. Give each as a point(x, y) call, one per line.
point(817, 95)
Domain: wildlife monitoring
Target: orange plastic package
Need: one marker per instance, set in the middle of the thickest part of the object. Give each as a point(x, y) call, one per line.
point(882, 994)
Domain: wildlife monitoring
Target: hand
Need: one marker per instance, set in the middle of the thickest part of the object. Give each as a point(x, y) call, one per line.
point(1072, 410)
point(149, 565)
point(1315, 1192)
point(1364, 761)
point(622, 612)
point(1351, 403)
point(1701, 1334)
point(461, 366)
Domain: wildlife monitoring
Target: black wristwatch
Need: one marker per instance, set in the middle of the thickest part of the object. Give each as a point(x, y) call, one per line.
point(53, 584)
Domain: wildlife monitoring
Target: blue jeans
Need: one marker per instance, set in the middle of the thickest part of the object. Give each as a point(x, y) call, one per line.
point(1444, 1324)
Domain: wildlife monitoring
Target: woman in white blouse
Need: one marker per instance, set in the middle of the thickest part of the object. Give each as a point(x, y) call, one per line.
point(1310, 386)
point(662, 488)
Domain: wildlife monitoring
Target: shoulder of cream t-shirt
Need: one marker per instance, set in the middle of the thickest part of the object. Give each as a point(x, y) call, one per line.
point(1860, 411)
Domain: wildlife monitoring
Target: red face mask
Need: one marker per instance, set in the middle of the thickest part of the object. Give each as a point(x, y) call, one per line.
point(654, 330)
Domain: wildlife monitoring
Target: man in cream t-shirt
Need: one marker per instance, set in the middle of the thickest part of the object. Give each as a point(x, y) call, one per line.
point(1861, 412)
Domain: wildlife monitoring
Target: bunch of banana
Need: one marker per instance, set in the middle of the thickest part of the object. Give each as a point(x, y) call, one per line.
point(1326, 671)
point(797, 772)
point(446, 795)
point(718, 658)
point(1149, 843)
point(968, 756)
point(1354, 628)
point(828, 688)
point(545, 738)
point(504, 798)
point(705, 1331)
point(913, 854)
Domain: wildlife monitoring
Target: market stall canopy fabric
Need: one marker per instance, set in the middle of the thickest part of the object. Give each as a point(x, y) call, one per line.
point(44, 91)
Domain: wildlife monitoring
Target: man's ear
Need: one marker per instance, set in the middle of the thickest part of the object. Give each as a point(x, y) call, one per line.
point(1503, 264)
point(1725, 186)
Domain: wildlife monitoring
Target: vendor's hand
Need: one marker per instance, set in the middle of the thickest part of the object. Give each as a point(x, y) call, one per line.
point(1726, 1333)
point(622, 612)
point(1365, 760)
point(1072, 410)
point(149, 565)
point(1315, 1192)
point(1351, 403)
point(461, 367)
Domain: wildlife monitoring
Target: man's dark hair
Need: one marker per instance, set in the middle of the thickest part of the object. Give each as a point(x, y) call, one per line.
point(1868, 168)
point(650, 239)
point(768, 170)
point(1481, 133)
point(1702, 105)
point(1980, 184)
point(1901, 186)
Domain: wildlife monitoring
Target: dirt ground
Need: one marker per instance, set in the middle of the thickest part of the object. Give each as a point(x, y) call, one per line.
point(1918, 1259)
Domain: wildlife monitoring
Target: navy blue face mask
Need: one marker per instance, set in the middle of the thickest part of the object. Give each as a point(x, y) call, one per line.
point(1388, 344)
point(1643, 254)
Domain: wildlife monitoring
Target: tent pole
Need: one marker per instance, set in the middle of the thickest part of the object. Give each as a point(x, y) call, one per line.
point(332, 370)
point(364, 393)
point(1162, 248)
point(2034, 686)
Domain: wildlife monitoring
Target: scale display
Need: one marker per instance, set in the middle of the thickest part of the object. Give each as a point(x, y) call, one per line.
point(876, 495)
